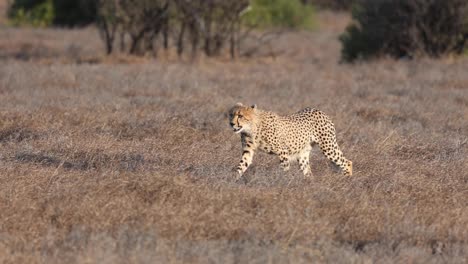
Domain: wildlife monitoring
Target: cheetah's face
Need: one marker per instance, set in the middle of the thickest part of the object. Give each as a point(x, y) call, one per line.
point(241, 118)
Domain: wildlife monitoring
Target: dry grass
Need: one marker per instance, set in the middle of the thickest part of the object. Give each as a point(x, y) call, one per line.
point(119, 163)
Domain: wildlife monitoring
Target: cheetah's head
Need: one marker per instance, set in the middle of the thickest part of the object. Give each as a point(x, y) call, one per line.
point(242, 118)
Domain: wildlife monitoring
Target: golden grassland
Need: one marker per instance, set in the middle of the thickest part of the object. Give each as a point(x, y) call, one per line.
point(134, 162)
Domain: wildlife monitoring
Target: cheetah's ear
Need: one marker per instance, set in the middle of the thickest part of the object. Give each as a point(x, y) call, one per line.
point(254, 106)
point(239, 104)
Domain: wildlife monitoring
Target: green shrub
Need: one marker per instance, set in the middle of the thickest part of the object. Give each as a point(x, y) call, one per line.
point(405, 28)
point(75, 13)
point(52, 12)
point(280, 13)
point(332, 4)
point(32, 13)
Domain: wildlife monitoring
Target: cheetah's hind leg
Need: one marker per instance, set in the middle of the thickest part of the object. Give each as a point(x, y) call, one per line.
point(332, 151)
point(334, 154)
point(285, 161)
point(304, 163)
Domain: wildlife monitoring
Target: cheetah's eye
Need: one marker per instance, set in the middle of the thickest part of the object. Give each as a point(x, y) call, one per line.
point(240, 116)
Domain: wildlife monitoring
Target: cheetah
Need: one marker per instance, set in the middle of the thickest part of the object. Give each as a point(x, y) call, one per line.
point(290, 137)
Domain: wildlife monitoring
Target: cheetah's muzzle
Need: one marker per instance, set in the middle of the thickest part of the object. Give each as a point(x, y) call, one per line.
point(237, 130)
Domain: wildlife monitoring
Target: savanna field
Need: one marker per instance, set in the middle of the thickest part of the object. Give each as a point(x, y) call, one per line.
point(132, 160)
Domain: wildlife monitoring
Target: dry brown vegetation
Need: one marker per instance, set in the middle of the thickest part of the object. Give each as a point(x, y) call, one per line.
point(3, 10)
point(119, 163)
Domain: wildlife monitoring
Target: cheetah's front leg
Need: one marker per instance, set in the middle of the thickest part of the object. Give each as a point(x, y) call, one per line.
point(247, 156)
point(245, 162)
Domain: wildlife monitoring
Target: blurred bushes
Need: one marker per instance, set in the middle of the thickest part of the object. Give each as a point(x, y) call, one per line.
point(337, 5)
point(208, 25)
point(280, 13)
point(406, 28)
point(135, 26)
point(32, 12)
point(203, 25)
point(74, 13)
point(140, 21)
point(39, 13)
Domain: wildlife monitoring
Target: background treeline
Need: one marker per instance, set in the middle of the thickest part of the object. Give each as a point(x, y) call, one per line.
point(396, 28)
point(83, 12)
point(144, 26)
